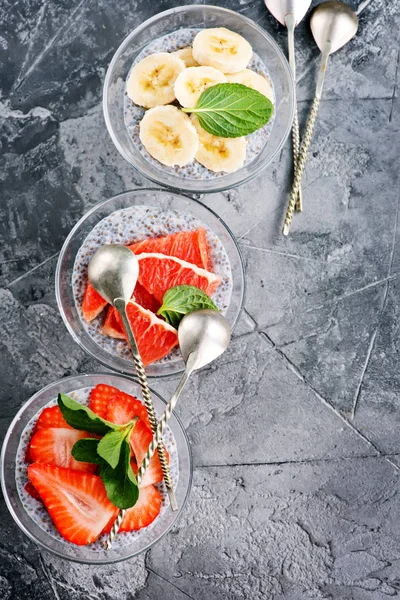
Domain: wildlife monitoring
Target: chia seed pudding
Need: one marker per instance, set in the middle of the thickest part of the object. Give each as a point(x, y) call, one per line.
point(133, 113)
point(132, 225)
point(38, 512)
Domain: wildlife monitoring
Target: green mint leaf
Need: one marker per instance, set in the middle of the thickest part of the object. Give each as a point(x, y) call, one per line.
point(110, 446)
point(81, 417)
point(85, 450)
point(232, 110)
point(120, 483)
point(183, 299)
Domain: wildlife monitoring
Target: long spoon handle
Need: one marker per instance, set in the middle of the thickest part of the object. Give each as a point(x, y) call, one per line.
point(141, 373)
point(302, 158)
point(301, 163)
point(290, 24)
point(163, 423)
point(157, 436)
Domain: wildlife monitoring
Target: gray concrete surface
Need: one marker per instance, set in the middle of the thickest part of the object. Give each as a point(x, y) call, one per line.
point(295, 430)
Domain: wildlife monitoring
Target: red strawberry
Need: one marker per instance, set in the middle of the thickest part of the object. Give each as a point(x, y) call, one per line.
point(140, 440)
point(53, 446)
point(92, 304)
point(100, 396)
point(51, 417)
point(123, 408)
point(76, 501)
point(146, 509)
point(32, 491)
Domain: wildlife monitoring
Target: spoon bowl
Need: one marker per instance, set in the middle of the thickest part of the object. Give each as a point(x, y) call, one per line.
point(281, 8)
point(113, 271)
point(203, 335)
point(333, 23)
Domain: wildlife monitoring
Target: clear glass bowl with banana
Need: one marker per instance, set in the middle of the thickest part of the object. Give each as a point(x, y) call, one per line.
point(199, 98)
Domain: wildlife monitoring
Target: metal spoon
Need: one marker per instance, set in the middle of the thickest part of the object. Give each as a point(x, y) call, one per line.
point(289, 13)
point(113, 271)
point(203, 336)
point(333, 24)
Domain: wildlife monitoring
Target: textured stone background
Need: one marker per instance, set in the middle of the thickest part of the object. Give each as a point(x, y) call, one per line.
point(295, 430)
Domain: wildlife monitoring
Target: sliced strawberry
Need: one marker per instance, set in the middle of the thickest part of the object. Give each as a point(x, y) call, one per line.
point(53, 446)
point(145, 299)
point(123, 408)
point(51, 417)
point(112, 326)
point(100, 396)
point(76, 501)
point(140, 440)
point(32, 491)
point(92, 304)
point(146, 509)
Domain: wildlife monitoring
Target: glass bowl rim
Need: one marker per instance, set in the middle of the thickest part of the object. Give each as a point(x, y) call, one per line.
point(180, 184)
point(89, 213)
point(10, 506)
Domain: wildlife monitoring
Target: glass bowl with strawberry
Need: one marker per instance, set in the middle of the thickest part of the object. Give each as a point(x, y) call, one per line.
point(188, 259)
point(68, 465)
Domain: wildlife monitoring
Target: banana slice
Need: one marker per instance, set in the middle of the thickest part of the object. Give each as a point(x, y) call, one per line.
point(218, 153)
point(223, 49)
point(254, 81)
point(169, 136)
point(151, 81)
point(186, 54)
point(193, 81)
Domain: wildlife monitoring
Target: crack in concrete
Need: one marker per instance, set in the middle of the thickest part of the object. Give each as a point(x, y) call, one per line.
point(269, 251)
point(32, 270)
point(170, 583)
point(326, 403)
point(68, 23)
point(395, 86)
point(384, 304)
point(304, 461)
point(49, 578)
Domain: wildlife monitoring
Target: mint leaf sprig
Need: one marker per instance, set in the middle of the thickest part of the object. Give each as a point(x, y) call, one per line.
point(232, 110)
point(112, 452)
point(182, 299)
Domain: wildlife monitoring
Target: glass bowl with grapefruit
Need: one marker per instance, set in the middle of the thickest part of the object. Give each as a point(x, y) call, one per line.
point(179, 242)
point(65, 504)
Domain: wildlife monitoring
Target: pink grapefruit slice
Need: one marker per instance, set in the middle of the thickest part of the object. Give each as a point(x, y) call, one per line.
point(92, 304)
point(154, 337)
point(158, 273)
point(191, 246)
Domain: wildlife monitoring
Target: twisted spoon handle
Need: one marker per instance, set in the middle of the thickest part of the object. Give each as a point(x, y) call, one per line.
point(301, 163)
point(141, 373)
point(290, 24)
point(296, 150)
point(157, 437)
point(163, 423)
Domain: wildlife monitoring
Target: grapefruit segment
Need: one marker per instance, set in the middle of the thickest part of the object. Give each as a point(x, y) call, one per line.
point(92, 304)
point(154, 337)
point(191, 246)
point(158, 273)
point(112, 326)
point(144, 298)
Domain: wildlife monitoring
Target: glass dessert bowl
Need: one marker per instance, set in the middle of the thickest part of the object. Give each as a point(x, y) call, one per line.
point(173, 30)
point(31, 515)
point(133, 218)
